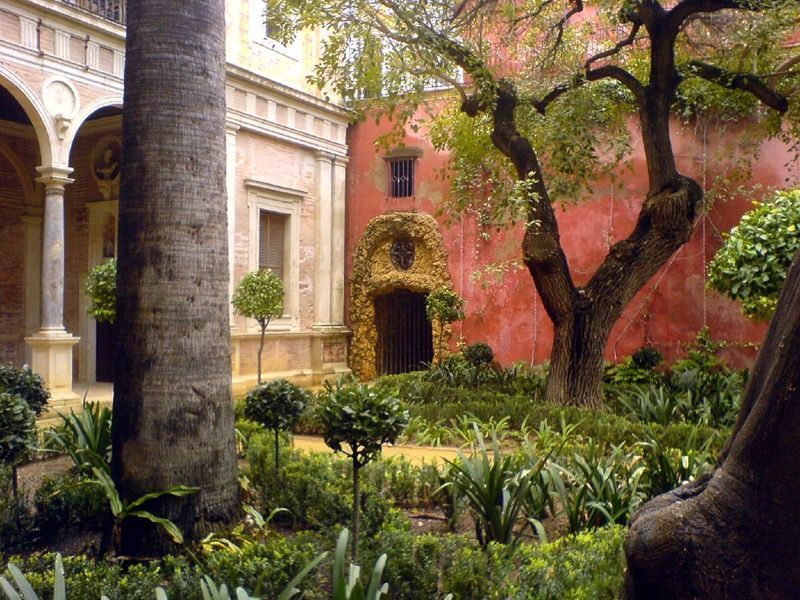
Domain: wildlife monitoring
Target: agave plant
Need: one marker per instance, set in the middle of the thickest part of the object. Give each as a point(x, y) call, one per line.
point(351, 587)
point(84, 437)
point(495, 491)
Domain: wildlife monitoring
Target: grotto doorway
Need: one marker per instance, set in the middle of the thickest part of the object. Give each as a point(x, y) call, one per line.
point(405, 338)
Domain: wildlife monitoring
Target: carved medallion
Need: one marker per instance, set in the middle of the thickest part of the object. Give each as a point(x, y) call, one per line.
point(402, 253)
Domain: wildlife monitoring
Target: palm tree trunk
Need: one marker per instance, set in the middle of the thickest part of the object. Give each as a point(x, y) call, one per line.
point(173, 413)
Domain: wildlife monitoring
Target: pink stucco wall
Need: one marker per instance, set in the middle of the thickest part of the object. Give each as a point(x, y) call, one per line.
point(506, 312)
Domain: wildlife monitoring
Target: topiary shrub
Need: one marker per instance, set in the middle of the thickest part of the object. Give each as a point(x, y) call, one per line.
point(444, 306)
point(277, 405)
point(358, 420)
point(17, 432)
point(478, 354)
point(259, 296)
point(25, 383)
point(647, 357)
point(753, 261)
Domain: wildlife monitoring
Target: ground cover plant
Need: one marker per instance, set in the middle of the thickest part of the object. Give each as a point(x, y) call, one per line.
point(536, 503)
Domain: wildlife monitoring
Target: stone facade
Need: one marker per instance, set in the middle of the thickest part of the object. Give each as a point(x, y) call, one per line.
point(60, 124)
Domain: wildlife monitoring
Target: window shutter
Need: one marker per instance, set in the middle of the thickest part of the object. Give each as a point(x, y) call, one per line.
point(272, 233)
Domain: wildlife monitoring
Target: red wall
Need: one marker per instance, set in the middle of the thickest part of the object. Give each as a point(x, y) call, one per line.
point(507, 313)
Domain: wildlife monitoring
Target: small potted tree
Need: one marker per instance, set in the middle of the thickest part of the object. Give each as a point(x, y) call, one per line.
point(443, 306)
point(259, 296)
point(277, 405)
point(358, 420)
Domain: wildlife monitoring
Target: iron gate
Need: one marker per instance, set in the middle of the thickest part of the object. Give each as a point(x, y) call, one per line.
point(405, 338)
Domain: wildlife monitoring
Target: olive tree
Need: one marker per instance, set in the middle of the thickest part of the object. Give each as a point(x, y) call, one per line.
point(259, 296)
point(444, 306)
point(554, 95)
point(277, 405)
point(752, 263)
point(358, 420)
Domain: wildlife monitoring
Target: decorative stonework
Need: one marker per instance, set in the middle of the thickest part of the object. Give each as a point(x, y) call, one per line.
point(375, 273)
point(403, 253)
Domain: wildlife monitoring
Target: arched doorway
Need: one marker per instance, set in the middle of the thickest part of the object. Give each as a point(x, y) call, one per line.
point(399, 260)
point(405, 338)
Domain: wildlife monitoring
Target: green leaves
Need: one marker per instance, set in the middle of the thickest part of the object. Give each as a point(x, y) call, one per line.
point(351, 587)
point(101, 291)
point(259, 296)
point(276, 405)
point(358, 420)
point(17, 428)
point(753, 261)
point(444, 305)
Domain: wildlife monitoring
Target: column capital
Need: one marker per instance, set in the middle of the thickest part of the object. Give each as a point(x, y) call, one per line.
point(341, 160)
point(54, 175)
point(324, 155)
point(232, 128)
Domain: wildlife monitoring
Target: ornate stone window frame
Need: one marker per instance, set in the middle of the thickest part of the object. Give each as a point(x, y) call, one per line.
point(277, 199)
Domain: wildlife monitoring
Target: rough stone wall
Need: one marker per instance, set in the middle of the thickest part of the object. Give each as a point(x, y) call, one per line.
point(374, 274)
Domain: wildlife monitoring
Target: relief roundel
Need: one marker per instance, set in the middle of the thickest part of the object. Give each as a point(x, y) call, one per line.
point(402, 253)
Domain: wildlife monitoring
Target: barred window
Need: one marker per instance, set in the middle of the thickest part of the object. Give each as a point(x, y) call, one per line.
point(272, 242)
point(401, 177)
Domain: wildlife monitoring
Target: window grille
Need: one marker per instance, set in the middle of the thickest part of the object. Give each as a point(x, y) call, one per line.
point(271, 242)
point(401, 177)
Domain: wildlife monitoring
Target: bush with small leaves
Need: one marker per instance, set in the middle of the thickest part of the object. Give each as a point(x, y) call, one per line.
point(444, 306)
point(17, 432)
point(24, 382)
point(277, 405)
point(101, 291)
point(358, 420)
point(478, 354)
point(647, 357)
point(259, 296)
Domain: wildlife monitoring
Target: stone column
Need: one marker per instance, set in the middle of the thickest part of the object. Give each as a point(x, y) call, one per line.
point(322, 283)
point(230, 188)
point(51, 346)
point(32, 243)
point(338, 241)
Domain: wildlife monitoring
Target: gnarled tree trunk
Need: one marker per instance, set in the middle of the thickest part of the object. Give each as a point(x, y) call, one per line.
point(735, 534)
point(173, 413)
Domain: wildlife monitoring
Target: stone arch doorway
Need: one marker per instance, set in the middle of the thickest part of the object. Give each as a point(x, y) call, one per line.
point(399, 260)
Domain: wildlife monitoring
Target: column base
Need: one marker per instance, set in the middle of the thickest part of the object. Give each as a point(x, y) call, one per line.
point(51, 357)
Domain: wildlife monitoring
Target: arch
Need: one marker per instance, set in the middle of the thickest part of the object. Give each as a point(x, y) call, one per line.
point(86, 112)
point(33, 107)
point(375, 274)
point(22, 174)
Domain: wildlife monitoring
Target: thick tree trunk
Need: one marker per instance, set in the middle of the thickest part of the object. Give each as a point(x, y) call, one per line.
point(735, 534)
point(576, 360)
point(173, 413)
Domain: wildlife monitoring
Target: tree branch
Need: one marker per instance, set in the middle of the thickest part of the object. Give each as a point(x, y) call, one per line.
point(740, 81)
point(624, 77)
point(628, 41)
point(687, 8)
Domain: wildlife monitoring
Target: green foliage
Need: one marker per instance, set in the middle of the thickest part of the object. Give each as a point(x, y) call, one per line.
point(358, 420)
point(314, 487)
point(478, 354)
point(495, 491)
point(63, 501)
point(17, 428)
point(84, 437)
point(17, 524)
point(588, 565)
point(444, 306)
point(101, 291)
point(259, 296)
point(277, 405)
point(752, 263)
point(26, 592)
point(24, 382)
point(350, 587)
point(647, 357)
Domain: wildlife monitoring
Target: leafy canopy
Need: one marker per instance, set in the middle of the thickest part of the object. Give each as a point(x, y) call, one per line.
point(575, 68)
point(25, 383)
point(358, 420)
point(259, 296)
point(276, 405)
point(101, 291)
point(17, 428)
point(752, 263)
point(444, 305)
